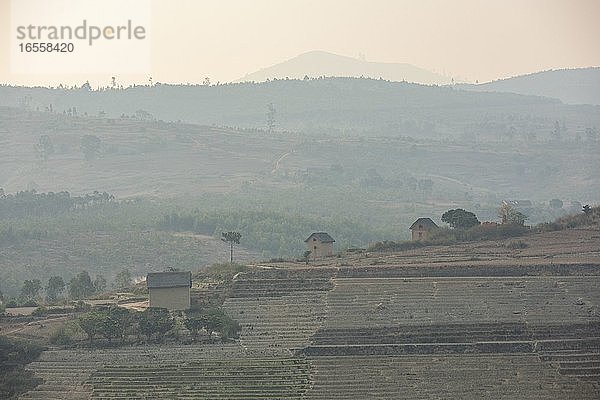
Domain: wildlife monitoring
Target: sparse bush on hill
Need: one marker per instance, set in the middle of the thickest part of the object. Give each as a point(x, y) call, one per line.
point(389, 245)
point(223, 271)
point(447, 236)
point(66, 334)
point(591, 217)
point(444, 236)
point(516, 244)
point(492, 232)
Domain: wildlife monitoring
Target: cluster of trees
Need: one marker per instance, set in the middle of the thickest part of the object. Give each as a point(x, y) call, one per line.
point(90, 145)
point(155, 323)
point(31, 203)
point(510, 215)
point(14, 356)
point(81, 286)
point(462, 219)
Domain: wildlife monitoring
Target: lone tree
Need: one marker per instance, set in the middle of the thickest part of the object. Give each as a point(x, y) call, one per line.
point(54, 288)
point(81, 286)
point(90, 146)
point(231, 237)
point(44, 147)
point(511, 216)
point(271, 117)
point(30, 290)
point(91, 323)
point(460, 219)
point(100, 283)
point(123, 279)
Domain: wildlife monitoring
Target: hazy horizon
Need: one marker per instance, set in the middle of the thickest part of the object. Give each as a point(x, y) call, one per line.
point(467, 40)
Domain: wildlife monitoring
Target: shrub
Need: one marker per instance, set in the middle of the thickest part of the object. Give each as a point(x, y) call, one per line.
point(65, 334)
point(516, 244)
point(213, 320)
point(223, 271)
point(388, 245)
point(495, 232)
point(591, 217)
point(40, 311)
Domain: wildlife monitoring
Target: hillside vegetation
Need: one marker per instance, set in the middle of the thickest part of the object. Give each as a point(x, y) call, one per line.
point(331, 106)
point(370, 157)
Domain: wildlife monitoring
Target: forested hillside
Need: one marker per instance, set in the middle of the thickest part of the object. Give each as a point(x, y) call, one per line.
point(324, 106)
point(368, 158)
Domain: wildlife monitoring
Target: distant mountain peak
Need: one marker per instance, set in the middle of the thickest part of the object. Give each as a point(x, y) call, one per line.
point(318, 63)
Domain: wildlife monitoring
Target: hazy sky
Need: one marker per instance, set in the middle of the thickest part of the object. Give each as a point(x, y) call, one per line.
point(468, 39)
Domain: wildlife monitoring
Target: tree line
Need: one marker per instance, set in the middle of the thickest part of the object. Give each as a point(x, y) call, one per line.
point(31, 203)
point(56, 289)
point(153, 324)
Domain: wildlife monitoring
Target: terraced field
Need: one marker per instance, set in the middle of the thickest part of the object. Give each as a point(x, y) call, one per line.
point(369, 333)
point(488, 376)
point(375, 302)
point(182, 372)
point(278, 313)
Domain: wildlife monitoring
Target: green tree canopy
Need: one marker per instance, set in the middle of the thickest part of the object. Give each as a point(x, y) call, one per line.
point(194, 324)
point(100, 283)
point(30, 290)
point(91, 323)
point(460, 219)
point(213, 320)
point(114, 323)
point(90, 146)
point(155, 321)
point(123, 279)
point(510, 215)
point(231, 238)
point(55, 287)
point(81, 286)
